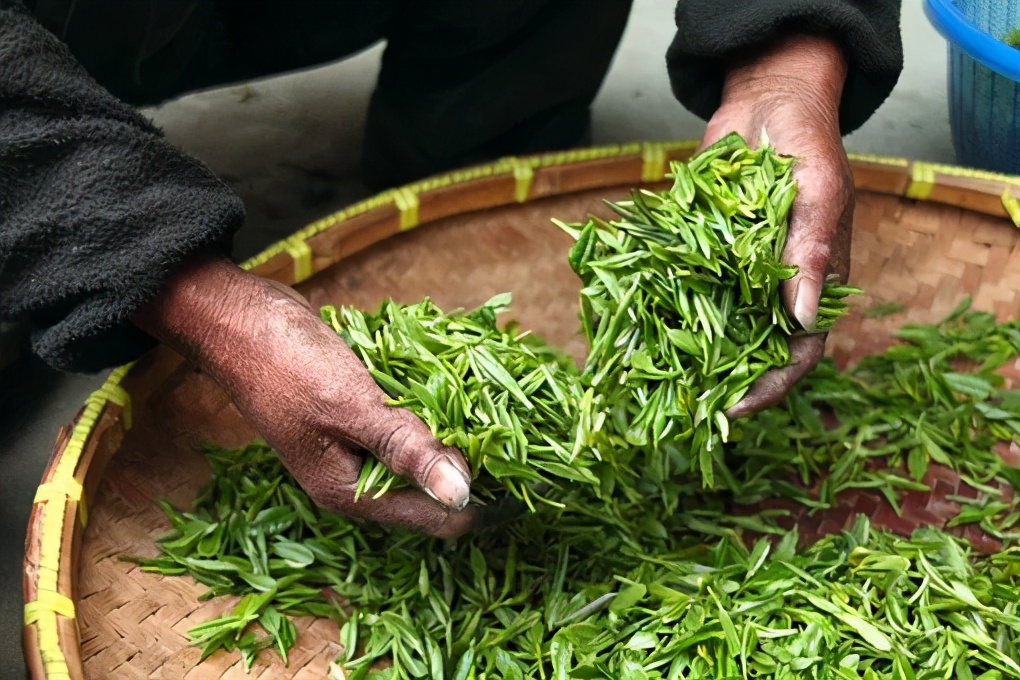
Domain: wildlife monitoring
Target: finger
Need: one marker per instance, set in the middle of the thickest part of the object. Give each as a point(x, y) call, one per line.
point(808, 249)
point(770, 389)
point(402, 442)
point(818, 242)
point(330, 480)
point(399, 439)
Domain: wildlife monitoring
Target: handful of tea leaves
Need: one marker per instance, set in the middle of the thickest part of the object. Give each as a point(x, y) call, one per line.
point(503, 398)
point(682, 310)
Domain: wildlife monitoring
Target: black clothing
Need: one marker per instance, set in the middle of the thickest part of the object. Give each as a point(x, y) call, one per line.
point(96, 208)
point(709, 30)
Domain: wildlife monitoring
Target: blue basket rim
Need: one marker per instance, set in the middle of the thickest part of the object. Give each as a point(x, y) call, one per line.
point(961, 31)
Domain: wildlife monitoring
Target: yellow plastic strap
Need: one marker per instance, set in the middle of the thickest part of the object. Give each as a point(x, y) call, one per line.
point(1012, 206)
point(407, 203)
point(653, 158)
point(115, 394)
point(881, 160)
point(58, 489)
point(49, 551)
point(523, 176)
point(52, 656)
point(61, 489)
point(48, 601)
point(117, 374)
point(922, 180)
point(56, 506)
point(301, 253)
point(55, 494)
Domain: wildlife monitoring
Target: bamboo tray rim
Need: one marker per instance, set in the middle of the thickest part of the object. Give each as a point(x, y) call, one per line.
point(59, 514)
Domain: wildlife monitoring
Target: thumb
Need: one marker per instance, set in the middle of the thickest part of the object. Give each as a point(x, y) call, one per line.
point(802, 293)
point(403, 443)
point(816, 223)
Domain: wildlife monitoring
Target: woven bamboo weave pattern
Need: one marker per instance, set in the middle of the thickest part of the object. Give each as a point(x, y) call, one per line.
point(91, 615)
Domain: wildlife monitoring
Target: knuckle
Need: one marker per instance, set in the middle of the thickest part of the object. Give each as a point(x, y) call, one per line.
point(819, 252)
point(812, 255)
point(327, 472)
point(404, 444)
point(350, 396)
point(328, 497)
point(394, 445)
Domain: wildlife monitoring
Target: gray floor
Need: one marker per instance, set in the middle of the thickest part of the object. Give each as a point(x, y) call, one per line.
point(290, 146)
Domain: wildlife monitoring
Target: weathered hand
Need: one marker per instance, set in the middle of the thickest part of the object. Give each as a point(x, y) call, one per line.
point(304, 390)
point(792, 91)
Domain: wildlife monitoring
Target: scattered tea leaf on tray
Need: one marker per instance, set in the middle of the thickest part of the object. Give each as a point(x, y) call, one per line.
point(588, 595)
point(607, 585)
point(883, 309)
point(681, 306)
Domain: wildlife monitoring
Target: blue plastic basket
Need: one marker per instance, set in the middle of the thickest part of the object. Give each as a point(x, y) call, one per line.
point(984, 80)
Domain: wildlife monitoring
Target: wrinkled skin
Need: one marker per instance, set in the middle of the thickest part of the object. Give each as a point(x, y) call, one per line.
point(309, 396)
point(792, 91)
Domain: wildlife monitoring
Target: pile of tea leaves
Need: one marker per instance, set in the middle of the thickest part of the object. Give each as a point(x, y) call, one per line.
point(681, 308)
point(620, 570)
point(502, 397)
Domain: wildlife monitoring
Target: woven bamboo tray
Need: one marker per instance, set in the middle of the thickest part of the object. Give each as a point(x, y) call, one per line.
point(925, 235)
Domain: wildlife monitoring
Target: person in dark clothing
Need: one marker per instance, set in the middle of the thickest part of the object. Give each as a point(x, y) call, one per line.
point(112, 239)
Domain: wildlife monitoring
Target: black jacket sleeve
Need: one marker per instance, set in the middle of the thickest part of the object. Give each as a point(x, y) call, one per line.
point(709, 31)
point(96, 207)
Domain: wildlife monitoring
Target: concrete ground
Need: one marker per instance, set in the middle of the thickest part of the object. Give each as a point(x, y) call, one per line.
point(290, 147)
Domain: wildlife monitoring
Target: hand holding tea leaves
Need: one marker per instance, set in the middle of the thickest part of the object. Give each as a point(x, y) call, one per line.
point(792, 91)
point(308, 394)
point(682, 308)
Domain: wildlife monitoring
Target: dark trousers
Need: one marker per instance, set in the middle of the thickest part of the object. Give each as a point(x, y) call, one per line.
point(462, 81)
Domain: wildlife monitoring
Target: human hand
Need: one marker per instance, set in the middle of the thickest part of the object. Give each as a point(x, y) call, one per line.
point(307, 394)
point(792, 91)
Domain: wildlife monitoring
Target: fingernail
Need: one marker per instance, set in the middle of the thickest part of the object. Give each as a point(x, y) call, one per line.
point(448, 485)
point(805, 303)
